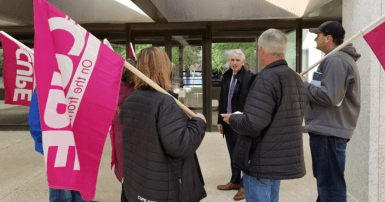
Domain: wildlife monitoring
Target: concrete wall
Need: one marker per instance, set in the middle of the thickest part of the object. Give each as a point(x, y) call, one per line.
point(365, 166)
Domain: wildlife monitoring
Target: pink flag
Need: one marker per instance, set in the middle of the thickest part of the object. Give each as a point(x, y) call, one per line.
point(78, 81)
point(18, 72)
point(132, 52)
point(375, 39)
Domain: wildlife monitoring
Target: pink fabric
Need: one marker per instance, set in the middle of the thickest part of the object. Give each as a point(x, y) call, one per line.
point(132, 52)
point(376, 41)
point(124, 92)
point(18, 73)
point(78, 80)
point(112, 138)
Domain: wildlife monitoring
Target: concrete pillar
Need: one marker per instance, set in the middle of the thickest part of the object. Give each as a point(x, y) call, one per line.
point(365, 164)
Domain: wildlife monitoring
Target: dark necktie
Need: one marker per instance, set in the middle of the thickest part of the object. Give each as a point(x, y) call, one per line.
point(231, 92)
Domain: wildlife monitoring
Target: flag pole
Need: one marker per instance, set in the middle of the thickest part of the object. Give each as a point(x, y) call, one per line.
point(157, 87)
point(332, 52)
point(362, 32)
point(149, 81)
point(16, 41)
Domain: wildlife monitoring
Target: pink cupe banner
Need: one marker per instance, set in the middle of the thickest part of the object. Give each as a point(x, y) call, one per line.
point(18, 72)
point(78, 81)
point(375, 39)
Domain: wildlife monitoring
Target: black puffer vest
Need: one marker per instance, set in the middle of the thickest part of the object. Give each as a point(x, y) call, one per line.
point(159, 144)
point(270, 142)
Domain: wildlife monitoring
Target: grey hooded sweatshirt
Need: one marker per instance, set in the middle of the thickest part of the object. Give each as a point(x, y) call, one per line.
point(334, 105)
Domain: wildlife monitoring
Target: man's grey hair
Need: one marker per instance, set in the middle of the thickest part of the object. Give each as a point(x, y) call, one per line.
point(239, 52)
point(274, 42)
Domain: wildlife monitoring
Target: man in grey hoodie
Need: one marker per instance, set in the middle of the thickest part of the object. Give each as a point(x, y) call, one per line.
point(334, 106)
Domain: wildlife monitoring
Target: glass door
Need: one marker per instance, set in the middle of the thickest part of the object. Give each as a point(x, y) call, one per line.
point(187, 74)
point(220, 64)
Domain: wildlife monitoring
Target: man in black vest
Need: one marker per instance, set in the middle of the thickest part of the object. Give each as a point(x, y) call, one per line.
point(234, 88)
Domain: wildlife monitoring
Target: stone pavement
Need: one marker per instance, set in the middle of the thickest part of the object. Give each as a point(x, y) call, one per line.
point(13, 117)
point(23, 178)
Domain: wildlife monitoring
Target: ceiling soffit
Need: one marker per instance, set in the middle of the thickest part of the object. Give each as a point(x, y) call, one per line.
point(224, 10)
point(99, 11)
point(20, 12)
point(203, 10)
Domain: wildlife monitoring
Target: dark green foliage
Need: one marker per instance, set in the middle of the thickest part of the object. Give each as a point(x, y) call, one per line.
point(121, 50)
point(193, 54)
point(220, 54)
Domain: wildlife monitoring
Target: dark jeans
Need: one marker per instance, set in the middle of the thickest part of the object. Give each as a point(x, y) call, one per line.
point(231, 140)
point(63, 195)
point(328, 155)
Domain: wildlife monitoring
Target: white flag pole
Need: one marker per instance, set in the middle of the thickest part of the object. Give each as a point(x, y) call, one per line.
point(362, 32)
point(107, 43)
point(16, 41)
point(132, 50)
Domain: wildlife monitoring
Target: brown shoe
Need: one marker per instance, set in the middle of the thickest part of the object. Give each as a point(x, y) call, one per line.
point(229, 186)
point(240, 194)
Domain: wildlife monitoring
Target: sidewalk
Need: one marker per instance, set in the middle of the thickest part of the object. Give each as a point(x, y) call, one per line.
point(23, 177)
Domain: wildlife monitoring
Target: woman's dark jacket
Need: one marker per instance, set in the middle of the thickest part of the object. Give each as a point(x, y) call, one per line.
point(244, 79)
point(270, 143)
point(159, 144)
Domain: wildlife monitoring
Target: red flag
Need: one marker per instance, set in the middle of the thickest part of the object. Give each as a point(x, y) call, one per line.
point(78, 83)
point(18, 71)
point(375, 39)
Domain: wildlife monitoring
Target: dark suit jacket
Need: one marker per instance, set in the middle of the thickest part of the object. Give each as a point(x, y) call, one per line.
point(242, 86)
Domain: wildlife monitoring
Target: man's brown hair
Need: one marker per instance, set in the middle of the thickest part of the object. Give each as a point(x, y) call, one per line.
point(155, 64)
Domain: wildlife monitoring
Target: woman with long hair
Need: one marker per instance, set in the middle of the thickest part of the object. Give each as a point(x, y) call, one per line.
point(159, 139)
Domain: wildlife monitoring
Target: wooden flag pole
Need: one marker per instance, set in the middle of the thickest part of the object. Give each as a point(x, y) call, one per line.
point(362, 32)
point(332, 52)
point(150, 82)
point(157, 87)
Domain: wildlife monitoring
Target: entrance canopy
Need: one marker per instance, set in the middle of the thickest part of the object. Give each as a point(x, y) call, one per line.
point(20, 12)
point(229, 19)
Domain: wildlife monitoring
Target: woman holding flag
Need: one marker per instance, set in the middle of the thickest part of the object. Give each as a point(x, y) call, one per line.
point(159, 140)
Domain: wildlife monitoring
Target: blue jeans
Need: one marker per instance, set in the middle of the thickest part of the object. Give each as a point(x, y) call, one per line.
point(231, 140)
point(63, 195)
point(260, 190)
point(328, 156)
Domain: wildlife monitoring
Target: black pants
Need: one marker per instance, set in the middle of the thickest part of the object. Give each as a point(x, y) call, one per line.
point(123, 196)
point(231, 140)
